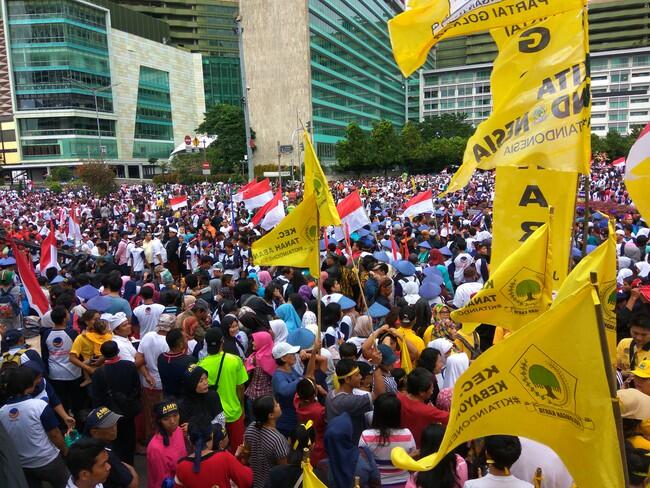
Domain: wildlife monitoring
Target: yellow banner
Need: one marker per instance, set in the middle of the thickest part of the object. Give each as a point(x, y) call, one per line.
point(316, 184)
point(414, 32)
point(294, 242)
point(541, 101)
point(518, 290)
point(544, 384)
point(601, 261)
point(522, 200)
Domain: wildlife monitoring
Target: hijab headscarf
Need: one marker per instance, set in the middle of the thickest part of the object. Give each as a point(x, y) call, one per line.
point(343, 454)
point(435, 257)
point(456, 365)
point(279, 329)
point(305, 292)
point(263, 354)
point(231, 344)
point(309, 318)
point(193, 404)
point(287, 313)
point(363, 327)
point(264, 278)
point(442, 345)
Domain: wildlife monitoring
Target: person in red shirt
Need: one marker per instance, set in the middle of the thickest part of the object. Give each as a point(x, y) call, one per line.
point(208, 467)
point(417, 413)
point(308, 408)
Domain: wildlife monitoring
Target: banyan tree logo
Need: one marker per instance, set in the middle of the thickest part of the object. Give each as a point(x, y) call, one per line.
point(524, 289)
point(608, 300)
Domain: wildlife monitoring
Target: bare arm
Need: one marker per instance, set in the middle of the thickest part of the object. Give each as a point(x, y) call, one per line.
point(57, 439)
point(368, 346)
point(74, 359)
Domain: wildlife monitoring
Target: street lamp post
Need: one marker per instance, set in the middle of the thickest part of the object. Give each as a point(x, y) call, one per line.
point(94, 91)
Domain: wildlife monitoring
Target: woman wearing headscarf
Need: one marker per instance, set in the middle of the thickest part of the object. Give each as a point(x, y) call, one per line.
point(445, 346)
point(362, 330)
point(279, 330)
point(264, 277)
point(441, 322)
point(345, 459)
point(438, 260)
point(287, 313)
point(232, 340)
point(260, 366)
point(198, 399)
point(457, 364)
point(253, 322)
point(306, 293)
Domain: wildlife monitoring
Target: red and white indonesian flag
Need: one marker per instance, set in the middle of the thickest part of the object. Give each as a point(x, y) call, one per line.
point(178, 202)
point(352, 213)
point(271, 213)
point(257, 195)
point(49, 253)
point(37, 299)
point(637, 172)
point(239, 196)
point(420, 204)
point(619, 163)
point(74, 231)
point(200, 203)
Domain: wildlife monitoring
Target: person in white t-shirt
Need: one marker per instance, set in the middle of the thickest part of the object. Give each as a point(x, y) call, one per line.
point(468, 289)
point(146, 315)
point(121, 327)
point(536, 455)
point(152, 345)
point(502, 452)
point(135, 257)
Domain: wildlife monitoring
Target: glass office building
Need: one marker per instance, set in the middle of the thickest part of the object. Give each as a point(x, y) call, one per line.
point(154, 134)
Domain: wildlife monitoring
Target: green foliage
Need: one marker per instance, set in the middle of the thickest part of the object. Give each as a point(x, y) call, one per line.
point(352, 152)
point(227, 123)
point(614, 145)
point(186, 163)
point(386, 146)
point(61, 173)
point(445, 126)
point(98, 176)
point(53, 186)
point(191, 179)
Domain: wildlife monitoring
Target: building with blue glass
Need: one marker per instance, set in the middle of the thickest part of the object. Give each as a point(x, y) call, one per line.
point(93, 81)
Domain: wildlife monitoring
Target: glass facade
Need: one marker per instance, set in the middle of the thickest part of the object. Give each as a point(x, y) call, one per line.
point(154, 137)
point(221, 80)
point(59, 53)
point(354, 76)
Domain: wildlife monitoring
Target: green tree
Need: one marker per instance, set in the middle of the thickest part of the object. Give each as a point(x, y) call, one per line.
point(528, 288)
point(413, 147)
point(614, 144)
point(61, 173)
point(543, 378)
point(98, 176)
point(227, 123)
point(352, 152)
point(186, 163)
point(385, 149)
point(445, 126)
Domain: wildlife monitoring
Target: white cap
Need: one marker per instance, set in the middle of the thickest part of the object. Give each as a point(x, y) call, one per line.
point(114, 320)
point(281, 349)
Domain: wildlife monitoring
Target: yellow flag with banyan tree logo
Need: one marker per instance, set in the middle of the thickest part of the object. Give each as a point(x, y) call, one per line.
point(547, 383)
point(316, 184)
point(293, 242)
point(541, 100)
point(518, 291)
point(414, 32)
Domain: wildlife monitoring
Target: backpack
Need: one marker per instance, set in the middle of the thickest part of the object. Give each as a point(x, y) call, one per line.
point(12, 360)
point(9, 308)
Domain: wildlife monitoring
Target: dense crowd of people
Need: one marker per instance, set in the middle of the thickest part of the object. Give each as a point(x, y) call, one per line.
point(164, 339)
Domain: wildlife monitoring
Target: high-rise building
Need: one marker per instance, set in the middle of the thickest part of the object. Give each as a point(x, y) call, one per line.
point(326, 62)
point(619, 35)
point(93, 81)
point(204, 27)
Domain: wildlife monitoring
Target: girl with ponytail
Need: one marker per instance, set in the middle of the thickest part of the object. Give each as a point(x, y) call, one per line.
point(166, 447)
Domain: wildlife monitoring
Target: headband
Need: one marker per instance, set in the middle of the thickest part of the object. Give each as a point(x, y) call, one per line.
point(308, 425)
point(353, 372)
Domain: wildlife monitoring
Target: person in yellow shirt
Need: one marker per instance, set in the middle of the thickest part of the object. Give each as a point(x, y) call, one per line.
point(635, 409)
point(632, 351)
point(441, 321)
point(85, 351)
point(406, 322)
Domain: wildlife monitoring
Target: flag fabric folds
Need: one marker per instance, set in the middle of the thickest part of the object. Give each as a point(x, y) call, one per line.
point(316, 183)
point(178, 202)
point(293, 242)
point(35, 295)
point(74, 231)
point(637, 172)
point(419, 204)
point(352, 213)
point(517, 292)
point(257, 195)
point(309, 479)
point(239, 196)
point(414, 32)
point(49, 254)
point(543, 384)
point(271, 213)
point(541, 100)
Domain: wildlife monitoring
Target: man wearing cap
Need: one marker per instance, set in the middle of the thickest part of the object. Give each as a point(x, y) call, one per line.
point(227, 375)
point(120, 326)
point(101, 424)
point(641, 377)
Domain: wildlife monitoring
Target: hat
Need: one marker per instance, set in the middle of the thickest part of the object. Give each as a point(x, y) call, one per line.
point(166, 277)
point(101, 418)
point(114, 320)
point(174, 230)
point(405, 267)
point(213, 338)
point(387, 355)
point(302, 338)
point(166, 321)
point(6, 276)
point(445, 251)
point(12, 337)
point(163, 409)
point(7, 261)
point(87, 292)
point(430, 290)
point(345, 303)
point(634, 404)
point(201, 304)
point(377, 311)
point(643, 369)
point(57, 279)
point(381, 256)
point(281, 349)
point(424, 245)
point(620, 232)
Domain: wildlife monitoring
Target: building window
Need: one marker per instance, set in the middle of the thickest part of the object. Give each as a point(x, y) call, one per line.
point(620, 77)
point(42, 150)
point(639, 113)
point(639, 100)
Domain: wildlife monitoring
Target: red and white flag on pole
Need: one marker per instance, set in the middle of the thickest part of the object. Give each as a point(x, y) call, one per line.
point(74, 231)
point(619, 163)
point(200, 203)
point(271, 213)
point(420, 204)
point(37, 299)
point(239, 196)
point(258, 195)
point(178, 202)
point(49, 255)
point(352, 213)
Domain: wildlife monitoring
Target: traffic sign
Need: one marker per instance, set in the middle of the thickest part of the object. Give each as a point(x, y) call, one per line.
point(286, 149)
point(188, 140)
point(205, 165)
point(195, 141)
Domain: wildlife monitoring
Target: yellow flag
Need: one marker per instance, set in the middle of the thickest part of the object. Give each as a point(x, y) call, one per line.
point(637, 172)
point(309, 479)
point(602, 261)
point(414, 32)
point(293, 242)
point(517, 292)
point(405, 355)
point(541, 101)
point(543, 384)
point(316, 183)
